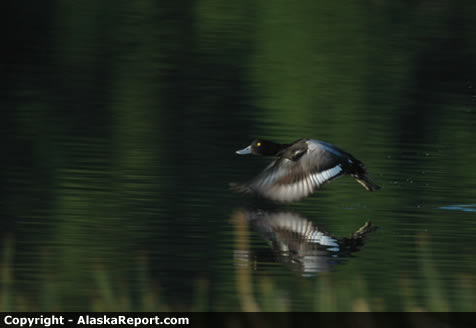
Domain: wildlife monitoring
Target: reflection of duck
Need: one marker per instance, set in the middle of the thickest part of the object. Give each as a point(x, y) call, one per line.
point(297, 242)
point(300, 168)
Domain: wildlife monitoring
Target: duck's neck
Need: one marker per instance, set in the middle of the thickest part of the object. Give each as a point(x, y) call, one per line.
point(278, 149)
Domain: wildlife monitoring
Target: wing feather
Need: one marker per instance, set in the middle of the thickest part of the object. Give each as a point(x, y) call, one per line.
point(286, 180)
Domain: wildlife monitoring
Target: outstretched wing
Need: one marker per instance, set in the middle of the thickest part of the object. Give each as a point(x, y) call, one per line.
point(286, 180)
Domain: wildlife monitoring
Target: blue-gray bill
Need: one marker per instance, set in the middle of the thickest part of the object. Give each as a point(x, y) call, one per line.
point(244, 151)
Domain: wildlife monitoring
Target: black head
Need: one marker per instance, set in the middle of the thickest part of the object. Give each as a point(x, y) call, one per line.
point(260, 147)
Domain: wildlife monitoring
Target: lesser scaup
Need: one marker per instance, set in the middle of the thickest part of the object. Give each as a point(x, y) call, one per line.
point(301, 167)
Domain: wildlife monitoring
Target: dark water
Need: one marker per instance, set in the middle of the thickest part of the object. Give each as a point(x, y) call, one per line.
point(119, 124)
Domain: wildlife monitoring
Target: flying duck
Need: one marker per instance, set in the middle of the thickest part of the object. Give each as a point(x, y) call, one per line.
point(301, 167)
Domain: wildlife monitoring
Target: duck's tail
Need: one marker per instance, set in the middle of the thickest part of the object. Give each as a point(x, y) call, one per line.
point(366, 182)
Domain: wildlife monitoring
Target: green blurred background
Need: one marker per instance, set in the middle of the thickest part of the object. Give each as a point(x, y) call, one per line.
point(119, 124)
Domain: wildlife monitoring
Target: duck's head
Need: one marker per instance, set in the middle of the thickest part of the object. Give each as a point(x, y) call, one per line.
point(260, 147)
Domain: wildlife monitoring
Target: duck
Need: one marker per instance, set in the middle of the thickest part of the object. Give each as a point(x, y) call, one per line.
point(301, 167)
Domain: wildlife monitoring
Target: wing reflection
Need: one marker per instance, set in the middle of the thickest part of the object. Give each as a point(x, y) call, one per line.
point(298, 243)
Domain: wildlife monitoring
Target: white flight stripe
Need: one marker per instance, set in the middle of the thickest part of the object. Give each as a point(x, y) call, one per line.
point(321, 177)
point(322, 239)
point(297, 189)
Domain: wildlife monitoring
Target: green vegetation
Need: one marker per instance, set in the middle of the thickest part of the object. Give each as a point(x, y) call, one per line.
point(109, 292)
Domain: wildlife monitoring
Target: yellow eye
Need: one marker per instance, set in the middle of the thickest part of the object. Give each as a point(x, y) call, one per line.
point(258, 144)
